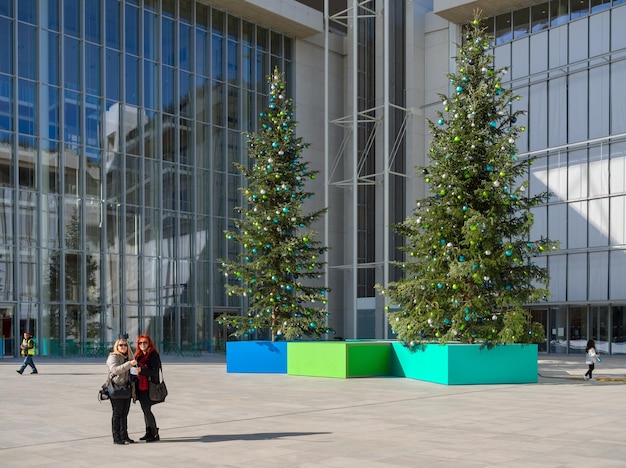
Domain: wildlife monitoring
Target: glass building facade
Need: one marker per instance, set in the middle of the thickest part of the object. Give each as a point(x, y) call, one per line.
point(119, 124)
point(120, 121)
point(566, 60)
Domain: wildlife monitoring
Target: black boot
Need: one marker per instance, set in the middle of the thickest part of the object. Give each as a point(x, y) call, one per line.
point(147, 435)
point(154, 435)
point(124, 433)
point(117, 440)
point(116, 427)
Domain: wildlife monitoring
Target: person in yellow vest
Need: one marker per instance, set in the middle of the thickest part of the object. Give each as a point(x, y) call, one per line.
point(27, 349)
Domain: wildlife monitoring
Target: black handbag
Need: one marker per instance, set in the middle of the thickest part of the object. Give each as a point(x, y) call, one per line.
point(157, 392)
point(103, 394)
point(118, 392)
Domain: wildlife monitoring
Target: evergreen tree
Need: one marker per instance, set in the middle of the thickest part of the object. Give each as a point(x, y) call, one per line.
point(469, 268)
point(279, 259)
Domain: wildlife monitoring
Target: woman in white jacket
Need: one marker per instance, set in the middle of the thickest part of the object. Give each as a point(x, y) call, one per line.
point(591, 357)
point(119, 363)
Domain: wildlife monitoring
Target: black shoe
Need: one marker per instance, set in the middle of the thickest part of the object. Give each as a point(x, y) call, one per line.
point(119, 442)
point(19, 372)
point(147, 435)
point(154, 436)
point(128, 440)
point(34, 372)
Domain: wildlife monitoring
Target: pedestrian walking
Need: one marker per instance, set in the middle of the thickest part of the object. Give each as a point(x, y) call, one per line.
point(27, 349)
point(591, 356)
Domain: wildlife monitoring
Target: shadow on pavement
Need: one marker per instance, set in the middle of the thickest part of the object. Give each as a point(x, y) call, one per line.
point(229, 437)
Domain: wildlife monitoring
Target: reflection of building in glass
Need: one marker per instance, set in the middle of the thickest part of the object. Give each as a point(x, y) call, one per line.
point(118, 134)
point(118, 126)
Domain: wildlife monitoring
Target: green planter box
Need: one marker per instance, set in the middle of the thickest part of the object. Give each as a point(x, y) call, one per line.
point(466, 364)
point(340, 359)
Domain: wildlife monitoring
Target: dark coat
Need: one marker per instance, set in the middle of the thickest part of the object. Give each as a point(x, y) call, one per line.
point(150, 367)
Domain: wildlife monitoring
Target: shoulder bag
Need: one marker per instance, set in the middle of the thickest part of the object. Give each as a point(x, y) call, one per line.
point(117, 391)
point(157, 392)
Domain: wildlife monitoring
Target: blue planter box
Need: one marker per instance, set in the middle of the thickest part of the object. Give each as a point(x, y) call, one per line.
point(261, 357)
point(465, 364)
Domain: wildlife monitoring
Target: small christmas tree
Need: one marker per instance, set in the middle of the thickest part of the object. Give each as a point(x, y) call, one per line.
point(469, 268)
point(280, 258)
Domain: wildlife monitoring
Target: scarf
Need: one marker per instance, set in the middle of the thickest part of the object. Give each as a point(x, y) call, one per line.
point(143, 379)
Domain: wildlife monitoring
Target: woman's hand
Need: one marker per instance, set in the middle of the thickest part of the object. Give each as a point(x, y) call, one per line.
point(134, 362)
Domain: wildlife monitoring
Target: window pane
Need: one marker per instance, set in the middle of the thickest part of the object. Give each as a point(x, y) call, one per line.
point(597, 5)
point(26, 44)
point(149, 33)
point(92, 69)
point(503, 28)
point(113, 75)
point(92, 20)
point(6, 38)
point(131, 31)
point(112, 23)
point(132, 80)
point(217, 58)
point(167, 42)
point(521, 20)
point(578, 330)
point(72, 63)
point(71, 10)
point(184, 53)
point(539, 16)
point(559, 13)
point(579, 8)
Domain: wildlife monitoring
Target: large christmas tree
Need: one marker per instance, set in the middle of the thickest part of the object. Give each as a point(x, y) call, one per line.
point(470, 265)
point(280, 261)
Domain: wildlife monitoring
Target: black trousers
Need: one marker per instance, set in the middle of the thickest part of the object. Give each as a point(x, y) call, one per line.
point(119, 420)
point(146, 406)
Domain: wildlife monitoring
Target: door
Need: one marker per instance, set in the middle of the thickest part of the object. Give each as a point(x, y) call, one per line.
point(8, 347)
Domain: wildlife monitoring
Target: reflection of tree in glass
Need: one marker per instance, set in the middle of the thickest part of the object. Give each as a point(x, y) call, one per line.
point(72, 276)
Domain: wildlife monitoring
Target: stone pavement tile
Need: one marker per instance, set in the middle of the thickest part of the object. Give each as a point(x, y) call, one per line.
point(216, 419)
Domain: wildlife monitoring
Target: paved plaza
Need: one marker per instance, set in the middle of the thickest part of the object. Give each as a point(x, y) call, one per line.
point(216, 419)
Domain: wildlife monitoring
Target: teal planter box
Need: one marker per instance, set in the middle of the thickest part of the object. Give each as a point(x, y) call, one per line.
point(256, 357)
point(466, 364)
point(338, 359)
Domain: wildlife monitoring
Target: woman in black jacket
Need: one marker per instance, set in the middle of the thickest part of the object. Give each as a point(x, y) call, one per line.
point(148, 366)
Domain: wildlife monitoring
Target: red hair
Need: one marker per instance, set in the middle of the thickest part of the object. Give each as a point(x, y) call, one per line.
point(151, 347)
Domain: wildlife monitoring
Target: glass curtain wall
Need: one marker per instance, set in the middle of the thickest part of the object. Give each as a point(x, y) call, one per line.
point(566, 62)
point(119, 124)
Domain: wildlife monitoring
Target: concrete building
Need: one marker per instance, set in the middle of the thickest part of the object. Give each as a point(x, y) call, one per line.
point(120, 121)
